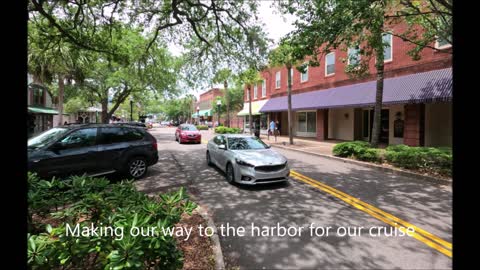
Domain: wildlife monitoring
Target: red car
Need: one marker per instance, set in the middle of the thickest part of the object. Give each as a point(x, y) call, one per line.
point(187, 133)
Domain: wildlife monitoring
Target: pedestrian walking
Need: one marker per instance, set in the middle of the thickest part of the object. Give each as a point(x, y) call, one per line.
point(271, 129)
point(277, 130)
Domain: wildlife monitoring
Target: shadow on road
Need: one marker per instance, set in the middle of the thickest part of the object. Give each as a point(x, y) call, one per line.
point(298, 205)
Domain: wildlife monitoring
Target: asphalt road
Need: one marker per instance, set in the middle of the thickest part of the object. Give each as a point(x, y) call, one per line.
point(297, 204)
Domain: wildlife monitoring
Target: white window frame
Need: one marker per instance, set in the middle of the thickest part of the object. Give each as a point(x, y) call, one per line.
point(278, 79)
point(326, 64)
point(305, 133)
point(302, 74)
point(255, 92)
point(348, 55)
point(264, 88)
point(391, 47)
point(437, 45)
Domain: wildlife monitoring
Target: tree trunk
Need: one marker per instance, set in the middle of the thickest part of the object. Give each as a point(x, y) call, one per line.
point(227, 102)
point(379, 91)
point(105, 117)
point(290, 113)
point(250, 120)
point(61, 90)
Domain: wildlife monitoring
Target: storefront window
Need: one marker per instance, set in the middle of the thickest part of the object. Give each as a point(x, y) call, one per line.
point(302, 121)
point(307, 122)
point(263, 121)
point(311, 121)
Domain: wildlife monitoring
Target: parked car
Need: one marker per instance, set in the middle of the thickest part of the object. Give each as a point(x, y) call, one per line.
point(187, 133)
point(246, 159)
point(92, 149)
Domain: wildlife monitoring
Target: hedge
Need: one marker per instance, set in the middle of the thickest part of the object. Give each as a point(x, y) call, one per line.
point(223, 130)
point(430, 159)
point(426, 158)
point(202, 127)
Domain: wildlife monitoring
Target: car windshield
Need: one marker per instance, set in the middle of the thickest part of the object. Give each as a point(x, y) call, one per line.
point(46, 137)
point(190, 128)
point(245, 143)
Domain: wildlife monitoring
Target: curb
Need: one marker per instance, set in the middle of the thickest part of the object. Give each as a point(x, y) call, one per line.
point(217, 248)
point(373, 166)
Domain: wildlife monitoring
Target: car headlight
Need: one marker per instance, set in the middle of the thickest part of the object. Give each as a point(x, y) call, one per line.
point(243, 163)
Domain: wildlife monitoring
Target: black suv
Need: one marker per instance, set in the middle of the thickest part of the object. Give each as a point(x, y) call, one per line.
point(92, 149)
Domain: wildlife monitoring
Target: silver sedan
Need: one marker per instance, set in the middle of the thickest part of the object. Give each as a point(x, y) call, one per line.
point(246, 159)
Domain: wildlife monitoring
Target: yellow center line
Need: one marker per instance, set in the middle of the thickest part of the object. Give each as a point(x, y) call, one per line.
point(419, 234)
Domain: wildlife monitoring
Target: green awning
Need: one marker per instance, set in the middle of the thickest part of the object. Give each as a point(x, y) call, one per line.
point(203, 113)
point(42, 110)
point(256, 106)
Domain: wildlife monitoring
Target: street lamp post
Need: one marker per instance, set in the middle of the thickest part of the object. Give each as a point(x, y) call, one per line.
point(131, 109)
point(219, 103)
point(198, 114)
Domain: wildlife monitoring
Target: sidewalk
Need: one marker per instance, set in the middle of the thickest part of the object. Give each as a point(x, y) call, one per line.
point(309, 145)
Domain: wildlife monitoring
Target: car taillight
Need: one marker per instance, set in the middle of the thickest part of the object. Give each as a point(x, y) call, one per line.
point(155, 144)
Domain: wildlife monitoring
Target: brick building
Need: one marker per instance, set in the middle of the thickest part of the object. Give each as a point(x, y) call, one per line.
point(328, 104)
point(203, 110)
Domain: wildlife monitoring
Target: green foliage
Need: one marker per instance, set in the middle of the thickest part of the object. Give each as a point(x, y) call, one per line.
point(425, 158)
point(369, 154)
point(179, 109)
point(430, 159)
point(202, 127)
point(223, 130)
point(350, 149)
point(98, 202)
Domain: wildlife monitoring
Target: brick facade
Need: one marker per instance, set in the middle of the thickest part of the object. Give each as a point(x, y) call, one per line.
point(400, 65)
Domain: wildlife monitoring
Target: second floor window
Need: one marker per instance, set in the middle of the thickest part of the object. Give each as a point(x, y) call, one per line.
point(304, 76)
point(248, 94)
point(37, 96)
point(264, 88)
point(255, 92)
point(277, 80)
point(330, 64)
point(353, 56)
point(387, 50)
point(442, 43)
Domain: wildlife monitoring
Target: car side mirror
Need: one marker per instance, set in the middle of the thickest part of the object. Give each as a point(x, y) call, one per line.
point(222, 146)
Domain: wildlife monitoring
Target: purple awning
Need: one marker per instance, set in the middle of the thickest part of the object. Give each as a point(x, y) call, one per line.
point(426, 87)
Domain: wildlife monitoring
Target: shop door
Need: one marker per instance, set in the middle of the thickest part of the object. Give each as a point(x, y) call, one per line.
point(384, 124)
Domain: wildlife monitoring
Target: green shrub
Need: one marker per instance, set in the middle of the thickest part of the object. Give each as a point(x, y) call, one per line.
point(202, 127)
point(427, 158)
point(223, 130)
point(96, 201)
point(350, 149)
point(369, 154)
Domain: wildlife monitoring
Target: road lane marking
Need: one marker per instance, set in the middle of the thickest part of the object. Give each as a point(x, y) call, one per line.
point(395, 219)
point(427, 238)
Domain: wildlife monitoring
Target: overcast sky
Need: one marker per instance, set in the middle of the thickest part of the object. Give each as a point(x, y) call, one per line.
point(276, 26)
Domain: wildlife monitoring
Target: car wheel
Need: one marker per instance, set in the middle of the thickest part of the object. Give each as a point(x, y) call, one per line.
point(230, 174)
point(209, 161)
point(137, 167)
